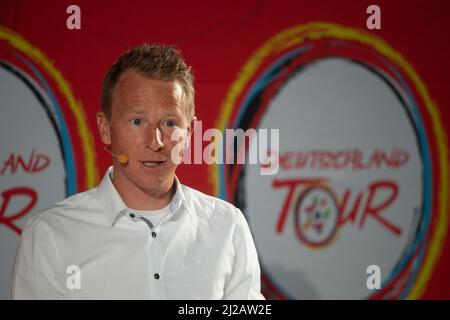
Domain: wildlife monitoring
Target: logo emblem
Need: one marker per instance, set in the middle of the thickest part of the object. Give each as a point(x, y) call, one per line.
point(40, 163)
point(355, 185)
point(316, 216)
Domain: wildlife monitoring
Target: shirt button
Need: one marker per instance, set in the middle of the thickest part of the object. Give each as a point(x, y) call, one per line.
point(156, 276)
point(154, 234)
point(132, 215)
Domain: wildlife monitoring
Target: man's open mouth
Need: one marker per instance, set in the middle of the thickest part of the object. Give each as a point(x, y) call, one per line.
point(152, 163)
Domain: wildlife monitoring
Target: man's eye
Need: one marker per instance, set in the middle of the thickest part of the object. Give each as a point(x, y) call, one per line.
point(136, 122)
point(169, 123)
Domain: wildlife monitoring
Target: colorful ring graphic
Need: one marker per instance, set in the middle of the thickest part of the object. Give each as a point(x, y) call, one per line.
point(259, 69)
point(17, 42)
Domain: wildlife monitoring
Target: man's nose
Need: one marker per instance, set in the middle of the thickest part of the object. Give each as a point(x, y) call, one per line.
point(154, 139)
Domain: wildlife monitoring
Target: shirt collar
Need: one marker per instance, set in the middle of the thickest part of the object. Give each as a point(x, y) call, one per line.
point(114, 206)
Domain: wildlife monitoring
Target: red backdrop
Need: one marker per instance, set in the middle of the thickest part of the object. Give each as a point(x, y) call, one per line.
point(217, 39)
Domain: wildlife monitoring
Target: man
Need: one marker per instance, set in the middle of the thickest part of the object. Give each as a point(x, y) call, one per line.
point(140, 234)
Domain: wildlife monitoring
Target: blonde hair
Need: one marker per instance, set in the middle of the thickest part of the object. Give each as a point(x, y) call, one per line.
point(159, 62)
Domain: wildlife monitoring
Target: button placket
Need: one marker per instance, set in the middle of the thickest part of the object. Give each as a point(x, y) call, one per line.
point(156, 267)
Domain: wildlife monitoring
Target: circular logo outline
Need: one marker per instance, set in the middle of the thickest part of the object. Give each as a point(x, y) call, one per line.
point(19, 43)
point(296, 36)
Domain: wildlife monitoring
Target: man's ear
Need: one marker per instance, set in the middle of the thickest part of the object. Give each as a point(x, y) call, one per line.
point(191, 126)
point(189, 131)
point(103, 128)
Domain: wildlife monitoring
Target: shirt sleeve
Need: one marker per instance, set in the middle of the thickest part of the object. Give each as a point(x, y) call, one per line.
point(244, 282)
point(36, 272)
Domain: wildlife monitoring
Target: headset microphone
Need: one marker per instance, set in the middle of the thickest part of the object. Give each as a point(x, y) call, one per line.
point(122, 158)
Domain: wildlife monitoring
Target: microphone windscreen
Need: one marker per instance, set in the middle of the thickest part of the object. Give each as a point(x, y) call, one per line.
point(122, 158)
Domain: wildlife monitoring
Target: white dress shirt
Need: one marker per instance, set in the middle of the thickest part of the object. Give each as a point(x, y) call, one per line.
point(201, 249)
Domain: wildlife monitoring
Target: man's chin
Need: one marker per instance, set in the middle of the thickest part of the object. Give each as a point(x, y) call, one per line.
point(148, 179)
point(155, 182)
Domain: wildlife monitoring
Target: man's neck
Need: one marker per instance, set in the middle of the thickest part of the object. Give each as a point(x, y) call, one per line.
point(143, 199)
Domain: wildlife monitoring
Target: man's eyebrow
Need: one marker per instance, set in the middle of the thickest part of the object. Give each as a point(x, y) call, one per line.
point(171, 114)
point(135, 110)
point(141, 111)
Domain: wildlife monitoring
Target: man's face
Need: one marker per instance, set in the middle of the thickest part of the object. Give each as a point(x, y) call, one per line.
point(144, 114)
